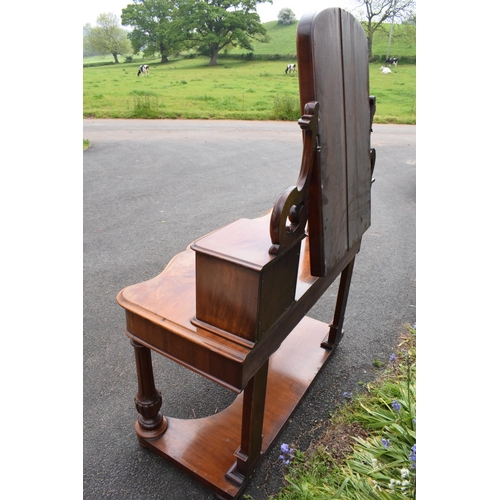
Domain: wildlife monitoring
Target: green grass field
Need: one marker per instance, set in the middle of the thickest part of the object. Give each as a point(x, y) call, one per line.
point(243, 90)
point(234, 89)
point(282, 40)
point(187, 88)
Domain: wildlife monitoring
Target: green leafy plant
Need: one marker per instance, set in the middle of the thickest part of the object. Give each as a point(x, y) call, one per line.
point(286, 107)
point(146, 106)
point(143, 93)
point(381, 463)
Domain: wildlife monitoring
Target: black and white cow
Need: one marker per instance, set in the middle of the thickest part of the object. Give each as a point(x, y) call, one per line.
point(392, 60)
point(143, 69)
point(290, 68)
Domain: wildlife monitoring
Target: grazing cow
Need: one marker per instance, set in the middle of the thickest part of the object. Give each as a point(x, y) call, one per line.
point(392, 60)
point(143, 69)
point(290, 68)
point(385, 71)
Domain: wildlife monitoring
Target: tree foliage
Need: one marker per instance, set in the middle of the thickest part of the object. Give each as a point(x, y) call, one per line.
point(107, 37)
point(377, 12)
point(153, 29)
point(169, 26)
point(87, 50)
point(213, 25)
point(286, 16)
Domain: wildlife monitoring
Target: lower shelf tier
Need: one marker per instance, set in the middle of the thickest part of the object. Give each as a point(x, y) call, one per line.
point(205, 447)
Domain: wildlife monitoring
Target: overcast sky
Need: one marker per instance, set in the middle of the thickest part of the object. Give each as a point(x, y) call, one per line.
point(267, 12)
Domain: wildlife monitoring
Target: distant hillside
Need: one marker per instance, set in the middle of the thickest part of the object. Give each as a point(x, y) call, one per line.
point(283, 41)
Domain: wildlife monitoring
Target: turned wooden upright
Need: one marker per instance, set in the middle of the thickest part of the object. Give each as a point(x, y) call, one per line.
point(233, 306)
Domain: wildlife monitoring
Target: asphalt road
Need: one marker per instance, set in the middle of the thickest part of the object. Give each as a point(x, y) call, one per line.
point(151, 188)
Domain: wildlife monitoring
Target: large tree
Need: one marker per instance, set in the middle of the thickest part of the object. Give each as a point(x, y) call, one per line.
point(377, 12)
point(153, 30)
point(212, 25)
point(286, 16)
point(107, 37)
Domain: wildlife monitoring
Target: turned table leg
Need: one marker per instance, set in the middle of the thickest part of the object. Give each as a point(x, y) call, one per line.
point(151, 422)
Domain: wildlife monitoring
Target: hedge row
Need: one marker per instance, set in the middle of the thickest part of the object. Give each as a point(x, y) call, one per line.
point(401, 59)
point(91, 65)
point(128, 59)
point(250, 56)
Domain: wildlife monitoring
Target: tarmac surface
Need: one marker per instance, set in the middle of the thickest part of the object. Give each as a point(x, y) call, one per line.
point(151, 187)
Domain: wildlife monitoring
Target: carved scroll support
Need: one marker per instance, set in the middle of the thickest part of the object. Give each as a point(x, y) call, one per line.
point(289, 215)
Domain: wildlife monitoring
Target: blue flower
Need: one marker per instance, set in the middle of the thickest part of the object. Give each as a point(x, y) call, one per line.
point(392, 358)
point(396, 406)
point(285, 448)
point(286, 454)
point(386, 442)
point(413, 455)
point(347, 395)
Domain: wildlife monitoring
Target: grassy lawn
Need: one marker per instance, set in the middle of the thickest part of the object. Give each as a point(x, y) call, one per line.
point(396, 94)
point(234, 89)
point(187, 88)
